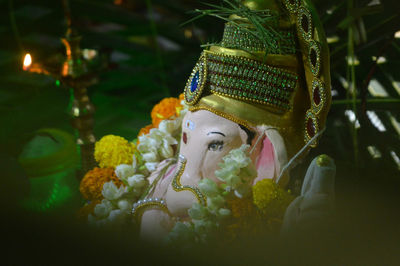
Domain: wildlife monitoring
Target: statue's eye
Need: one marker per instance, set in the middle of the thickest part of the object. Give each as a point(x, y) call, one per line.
point(216, 146)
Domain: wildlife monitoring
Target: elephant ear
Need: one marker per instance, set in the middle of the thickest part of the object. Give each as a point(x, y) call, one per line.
point(271, 157)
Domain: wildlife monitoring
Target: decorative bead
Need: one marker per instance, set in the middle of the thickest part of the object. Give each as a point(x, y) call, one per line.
point(318, 96)
point(314, 57)
point(311, 127)
point(304, 23)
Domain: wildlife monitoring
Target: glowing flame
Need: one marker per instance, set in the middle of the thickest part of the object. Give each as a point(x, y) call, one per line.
point(27, 61)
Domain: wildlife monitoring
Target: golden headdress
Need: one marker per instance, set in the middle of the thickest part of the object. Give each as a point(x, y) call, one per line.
point(283, 82)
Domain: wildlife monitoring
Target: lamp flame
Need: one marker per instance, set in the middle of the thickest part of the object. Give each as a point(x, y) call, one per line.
point(27, 61)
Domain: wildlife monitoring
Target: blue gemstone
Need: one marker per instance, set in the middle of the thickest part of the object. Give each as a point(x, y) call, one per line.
point(195, 82)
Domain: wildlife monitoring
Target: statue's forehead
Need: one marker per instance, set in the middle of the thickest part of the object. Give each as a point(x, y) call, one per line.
point(204, 120)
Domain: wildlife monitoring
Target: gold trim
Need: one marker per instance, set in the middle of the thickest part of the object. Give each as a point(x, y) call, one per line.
point(178, 187)
point(270, 59)
point(142, 207)
point(224, 115)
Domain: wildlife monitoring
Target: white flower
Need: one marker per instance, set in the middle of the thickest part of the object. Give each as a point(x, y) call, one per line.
point(208, 187)
point(124, 170)
point(237, 170)
point(124, 205)
point(241, 191)
point(181, 231)
point(103, 209)
point(233, 180)
point(168, 126)
point(228, 174)
point(136, 181)
point(203, 227)
point(227, 170)
point(111, 192)
point(116, 216)
point(166, 150)
point(240, 154)
point(151, 166)
point(147, 144)
point(197, 212)
point(156, 145)
point(151, 156)
point(215, 203)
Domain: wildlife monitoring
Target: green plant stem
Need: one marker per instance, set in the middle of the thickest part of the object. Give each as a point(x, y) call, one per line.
point(343, 45)
point(369, 101)
point(396, 46)
point(351, 73)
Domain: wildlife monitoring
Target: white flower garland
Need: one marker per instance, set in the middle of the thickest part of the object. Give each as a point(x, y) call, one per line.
point(237, 173)
point(153, 148)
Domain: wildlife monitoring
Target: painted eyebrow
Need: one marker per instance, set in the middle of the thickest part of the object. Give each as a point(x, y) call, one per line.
point(216, 132)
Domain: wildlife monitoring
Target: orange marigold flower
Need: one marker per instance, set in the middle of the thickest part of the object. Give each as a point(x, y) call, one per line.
point(181, 97)
point(92, 183)
point(145, 130)
point(165, 109)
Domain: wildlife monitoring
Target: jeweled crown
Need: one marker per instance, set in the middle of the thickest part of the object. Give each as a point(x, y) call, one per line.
point(284, 82)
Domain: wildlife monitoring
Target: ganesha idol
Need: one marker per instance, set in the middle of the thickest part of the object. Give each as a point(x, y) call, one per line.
point(255, 108)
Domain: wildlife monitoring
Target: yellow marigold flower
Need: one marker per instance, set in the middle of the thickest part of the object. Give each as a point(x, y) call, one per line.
point(241, 207)
point(270, 199)
point(165, 109)
point(92, 183)
point(111, 151)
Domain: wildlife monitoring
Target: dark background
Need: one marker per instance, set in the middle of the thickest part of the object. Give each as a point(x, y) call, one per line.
point(149, 56)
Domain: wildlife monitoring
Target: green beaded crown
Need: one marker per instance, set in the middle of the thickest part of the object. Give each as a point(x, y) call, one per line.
point(271, 67)
point(242, 78)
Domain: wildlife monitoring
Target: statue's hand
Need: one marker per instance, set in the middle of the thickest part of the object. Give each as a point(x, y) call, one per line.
point(313, 208)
